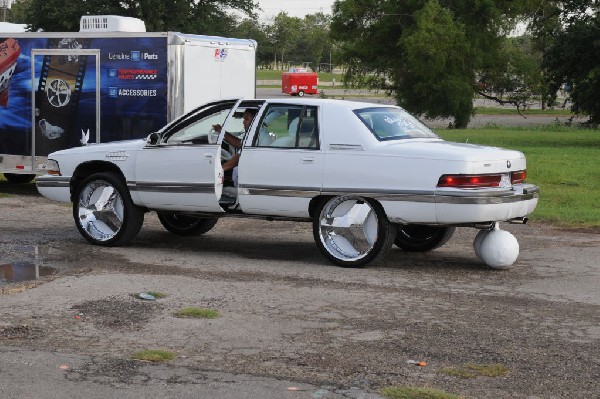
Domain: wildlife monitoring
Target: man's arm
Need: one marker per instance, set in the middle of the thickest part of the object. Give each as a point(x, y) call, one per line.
point(229, 138)
point(232, 163)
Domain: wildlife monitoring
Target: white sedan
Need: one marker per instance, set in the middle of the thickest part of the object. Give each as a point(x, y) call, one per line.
point(367, 177)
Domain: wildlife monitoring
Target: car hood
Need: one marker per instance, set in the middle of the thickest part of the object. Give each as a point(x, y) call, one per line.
point(125, 145)
point(448, 150)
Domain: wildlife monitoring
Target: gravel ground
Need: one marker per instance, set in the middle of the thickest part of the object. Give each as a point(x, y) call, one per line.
point(287, 314)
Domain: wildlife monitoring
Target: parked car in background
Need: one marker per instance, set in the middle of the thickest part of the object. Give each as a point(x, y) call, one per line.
point(366, 176)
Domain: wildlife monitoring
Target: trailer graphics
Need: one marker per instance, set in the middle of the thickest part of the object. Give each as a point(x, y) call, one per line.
point(64, 90)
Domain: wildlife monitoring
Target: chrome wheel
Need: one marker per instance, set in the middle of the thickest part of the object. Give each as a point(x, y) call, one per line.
point(352, 231)
point(104, 212)
point(100, 210)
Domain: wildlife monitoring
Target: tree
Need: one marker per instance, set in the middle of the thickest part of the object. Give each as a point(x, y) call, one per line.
point(16, 14)
point(250, 29)
point(284, 33)
point(573, 59)
point(426, 53)
point(516, 78)
point(211, 17)
point(314, 44)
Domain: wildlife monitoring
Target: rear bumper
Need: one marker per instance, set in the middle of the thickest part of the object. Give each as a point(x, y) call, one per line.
point(452, 206)
point(470, 206)
point(521, 192)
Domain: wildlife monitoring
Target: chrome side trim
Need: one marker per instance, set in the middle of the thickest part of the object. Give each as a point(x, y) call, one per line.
point(281, 191)
point(310, 192)
point(386, 195)
point(492, 196)
point(52, 181)
point(172, 187)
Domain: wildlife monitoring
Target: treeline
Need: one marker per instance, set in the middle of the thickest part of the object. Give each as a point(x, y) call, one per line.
point(432, 56)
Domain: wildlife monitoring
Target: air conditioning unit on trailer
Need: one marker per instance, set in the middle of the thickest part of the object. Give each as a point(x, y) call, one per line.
point(110, 23)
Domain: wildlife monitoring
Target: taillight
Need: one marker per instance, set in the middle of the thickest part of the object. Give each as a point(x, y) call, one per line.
point(470, 181)
point(518, 177)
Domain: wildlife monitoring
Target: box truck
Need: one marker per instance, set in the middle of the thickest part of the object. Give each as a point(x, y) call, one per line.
point(110, 81)
point(299, 83)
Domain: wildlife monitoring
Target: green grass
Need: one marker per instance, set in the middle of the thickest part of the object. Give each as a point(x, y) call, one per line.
point(415, 393)
point(472, 370)
point(197, 313)
point(562, 161)
point(154, 355)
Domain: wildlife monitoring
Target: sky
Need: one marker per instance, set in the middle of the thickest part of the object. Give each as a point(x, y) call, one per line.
point(294, 8)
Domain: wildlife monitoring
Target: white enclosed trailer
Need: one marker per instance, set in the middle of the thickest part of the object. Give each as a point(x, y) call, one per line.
point(107, 82)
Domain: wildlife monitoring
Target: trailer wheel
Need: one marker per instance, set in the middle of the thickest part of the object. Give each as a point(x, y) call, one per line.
point(301, 93)
point(18, 179)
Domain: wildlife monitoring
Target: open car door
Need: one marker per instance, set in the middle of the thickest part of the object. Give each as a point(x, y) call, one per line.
point(181, 171)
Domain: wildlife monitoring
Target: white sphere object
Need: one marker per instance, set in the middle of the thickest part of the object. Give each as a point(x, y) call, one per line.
point(499, 249)
point(478, 240)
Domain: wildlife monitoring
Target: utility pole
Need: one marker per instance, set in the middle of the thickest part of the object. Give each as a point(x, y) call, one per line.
point(5, 4)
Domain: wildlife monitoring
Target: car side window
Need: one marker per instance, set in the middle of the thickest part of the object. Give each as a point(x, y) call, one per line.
point(288, 126)
point(198, 131)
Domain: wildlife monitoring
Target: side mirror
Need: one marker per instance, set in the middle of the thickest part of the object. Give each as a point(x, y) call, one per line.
point(152, 138)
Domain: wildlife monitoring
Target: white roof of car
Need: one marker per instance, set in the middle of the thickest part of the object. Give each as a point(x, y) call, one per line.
point(326, 101)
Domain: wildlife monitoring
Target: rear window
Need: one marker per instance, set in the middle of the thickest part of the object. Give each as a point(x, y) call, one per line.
point(393, 124)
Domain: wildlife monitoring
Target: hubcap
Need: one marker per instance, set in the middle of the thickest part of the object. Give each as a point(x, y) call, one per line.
point(348, 228)
point(100, 210)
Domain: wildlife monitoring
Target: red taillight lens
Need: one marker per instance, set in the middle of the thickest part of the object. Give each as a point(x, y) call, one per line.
point(518, 177)
point(469, 181)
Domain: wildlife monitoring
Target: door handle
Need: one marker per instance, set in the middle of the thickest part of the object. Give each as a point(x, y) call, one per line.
point(308, 160)
point(209, 157)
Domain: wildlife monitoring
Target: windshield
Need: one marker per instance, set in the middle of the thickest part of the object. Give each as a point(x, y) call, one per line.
point(393, 124)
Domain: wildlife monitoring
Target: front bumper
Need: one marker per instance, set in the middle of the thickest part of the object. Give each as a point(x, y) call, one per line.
point(56, 188)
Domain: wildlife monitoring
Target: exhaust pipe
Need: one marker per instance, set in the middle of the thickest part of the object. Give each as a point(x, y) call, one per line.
point(520, 220)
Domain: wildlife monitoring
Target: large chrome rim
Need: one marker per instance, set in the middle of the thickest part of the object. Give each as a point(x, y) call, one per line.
point(101, 210)
point(348, 228)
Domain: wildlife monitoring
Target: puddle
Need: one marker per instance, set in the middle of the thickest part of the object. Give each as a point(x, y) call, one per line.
point(25, 270)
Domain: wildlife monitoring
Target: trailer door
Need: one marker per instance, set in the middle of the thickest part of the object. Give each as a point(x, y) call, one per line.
point(66, 99)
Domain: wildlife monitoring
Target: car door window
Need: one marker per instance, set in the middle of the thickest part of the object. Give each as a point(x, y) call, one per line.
point(198, 131)
point(288, 126)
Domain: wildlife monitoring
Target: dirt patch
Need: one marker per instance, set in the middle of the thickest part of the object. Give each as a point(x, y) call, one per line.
point(116, 313)
point(286, 313)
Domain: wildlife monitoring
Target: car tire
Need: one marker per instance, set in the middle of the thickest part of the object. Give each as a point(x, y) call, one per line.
point(352, 231)
point(301, 93)
point(418, 238)
point(184, 225)
point(104, 212)
point(15, 178)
